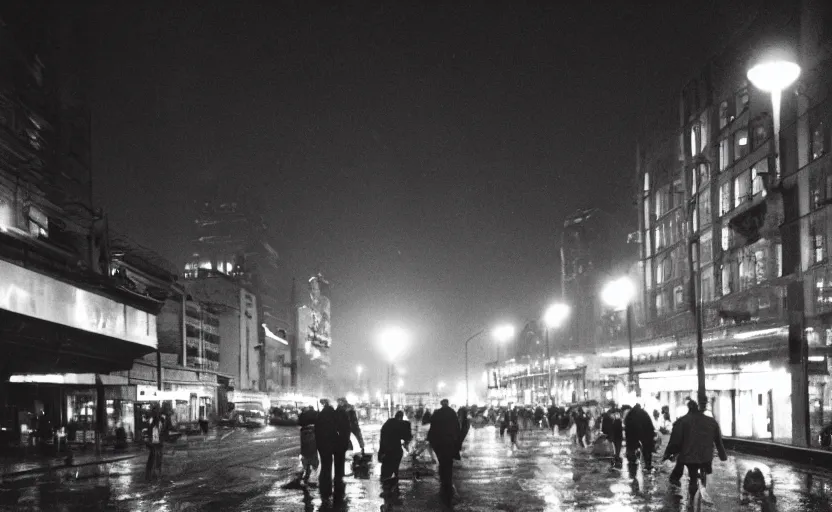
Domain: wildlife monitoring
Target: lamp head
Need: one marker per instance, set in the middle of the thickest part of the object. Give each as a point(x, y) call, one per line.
point(556, 315)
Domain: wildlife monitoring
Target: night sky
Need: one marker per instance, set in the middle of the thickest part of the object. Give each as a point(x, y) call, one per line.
point(422, 156)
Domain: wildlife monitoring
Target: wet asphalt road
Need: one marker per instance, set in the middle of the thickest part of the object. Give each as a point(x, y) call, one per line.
point(249, 470)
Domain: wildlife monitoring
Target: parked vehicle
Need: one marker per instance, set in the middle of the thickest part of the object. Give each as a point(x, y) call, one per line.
point(286, 415)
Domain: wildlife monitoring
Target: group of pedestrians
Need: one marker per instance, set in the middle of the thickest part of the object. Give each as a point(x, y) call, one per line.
point(693, 438)
point(325, 435)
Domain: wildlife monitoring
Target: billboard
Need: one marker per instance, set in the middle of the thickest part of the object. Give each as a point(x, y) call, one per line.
point(319, 329)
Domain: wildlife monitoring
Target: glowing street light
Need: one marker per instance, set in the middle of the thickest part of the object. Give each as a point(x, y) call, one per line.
point(619, 294)
point(440, 386)
point(774, 76)
point(400, 384)
point(392, 341)
point(553, 318)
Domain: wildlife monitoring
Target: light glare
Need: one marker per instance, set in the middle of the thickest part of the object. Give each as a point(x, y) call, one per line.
point(556, 315)
point(618, 293)
point(504, 333)
point(775, 75)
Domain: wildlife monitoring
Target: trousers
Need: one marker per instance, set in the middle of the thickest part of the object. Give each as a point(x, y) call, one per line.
point(154, 461)
point(390, 465)
point(446, 470)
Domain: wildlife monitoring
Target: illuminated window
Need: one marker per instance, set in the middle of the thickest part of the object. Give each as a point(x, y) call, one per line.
point(647, 217)
point(741, 143)
point(704, 130)
point(817, 235)
point(648, 246)
point(759, 132)
point(647, 182)
point(816, 188)
point(724, 115)
point(778, 256)
point(725, 242)
point(679, 297)
point(758, 175)
point(760, 266)
point(695, 139)
point(724, 154)
point(706, 284)
point(38, 222)
point(817, 142)
point(742, 188)
point(725, 198)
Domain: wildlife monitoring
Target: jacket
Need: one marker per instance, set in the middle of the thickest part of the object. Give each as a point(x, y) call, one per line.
point(444, 434)
point(307, 417)
point(694, 437)
point(344, 426)
point(393, 432)
point(638, 426)
point(326, 430)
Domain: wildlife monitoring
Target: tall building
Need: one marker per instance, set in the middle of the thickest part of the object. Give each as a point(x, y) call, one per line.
point(232, 241)
point(753, 223)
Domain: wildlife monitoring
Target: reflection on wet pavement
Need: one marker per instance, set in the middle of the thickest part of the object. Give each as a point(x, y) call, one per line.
point(250, 471)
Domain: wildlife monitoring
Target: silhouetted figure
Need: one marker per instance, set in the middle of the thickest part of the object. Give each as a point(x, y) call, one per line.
point(443, 436)
point(394, 432)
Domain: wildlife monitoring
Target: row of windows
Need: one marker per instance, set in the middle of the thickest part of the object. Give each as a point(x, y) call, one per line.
point(193, 332)
point(743, 188)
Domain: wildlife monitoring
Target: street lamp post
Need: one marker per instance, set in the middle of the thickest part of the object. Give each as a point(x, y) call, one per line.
point(619, 294)
point(553, 318)
point(441, 384)
point(502, 334)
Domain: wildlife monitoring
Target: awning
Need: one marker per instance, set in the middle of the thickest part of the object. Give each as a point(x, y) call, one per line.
point(30, 345)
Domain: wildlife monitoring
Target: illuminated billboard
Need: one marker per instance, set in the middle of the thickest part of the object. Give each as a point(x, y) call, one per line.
point(318, 332)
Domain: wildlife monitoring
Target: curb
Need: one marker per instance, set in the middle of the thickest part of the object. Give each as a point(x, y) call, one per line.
point(61, 467)
point(785, 452)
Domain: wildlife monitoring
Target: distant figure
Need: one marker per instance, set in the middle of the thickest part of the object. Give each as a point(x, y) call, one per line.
point(693, 439)
point(443, 436)
point(639, 432)
point(581, 426)
point(308, 446)
point(155, 445)
point(464, 427)
point(394, 432)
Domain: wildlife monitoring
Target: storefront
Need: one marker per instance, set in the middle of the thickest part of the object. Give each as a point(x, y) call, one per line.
point(753, 401)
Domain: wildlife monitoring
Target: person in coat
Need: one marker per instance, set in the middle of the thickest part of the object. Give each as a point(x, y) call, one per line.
point(640, 435)
point(692, 440)
point(464, 427)
point(613, 428)
point(344, 428)
point(394, 432)
point(444, 436)
point(308, 447)
point(155, 444)
point(679, 468)
point(355, 428)
point(328, 438)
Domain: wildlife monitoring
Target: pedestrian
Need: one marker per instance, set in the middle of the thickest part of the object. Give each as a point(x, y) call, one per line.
point(443, 436)
point(355, 428)
point(613, 428)
point(692, 440)
point(581, 426)
point(504, 423)
point(426, 417)
point(308, 446)
point(464, 427)
point(155, 445)
point(329, 432)
point(345, 428)
point(394, 432)
point(514, 425)
point(640, 434)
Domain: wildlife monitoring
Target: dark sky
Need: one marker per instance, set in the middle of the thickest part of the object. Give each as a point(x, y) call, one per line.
point(422, 154)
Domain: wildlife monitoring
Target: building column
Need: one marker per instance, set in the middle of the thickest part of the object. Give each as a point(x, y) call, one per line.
point(798, 366)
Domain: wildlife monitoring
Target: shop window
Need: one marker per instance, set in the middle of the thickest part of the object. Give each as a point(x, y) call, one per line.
point(742, 188)
point(741, 145)
point(741, 99)
point(759, 171)
point(817, 142)
point(724, 154)
point(725, 198)
point(724, 115)
point(705, 206)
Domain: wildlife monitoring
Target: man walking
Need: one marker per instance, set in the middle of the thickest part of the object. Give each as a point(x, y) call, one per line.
point(327, 440)
point(156, 434)
point(693, 439)
point(443, 436)
point(394, 432)
point(344, 428)
point(613, 428)
point(640, 435)
point(679, 468)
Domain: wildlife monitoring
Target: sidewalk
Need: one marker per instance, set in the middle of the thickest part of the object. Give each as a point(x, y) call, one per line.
point(797, 454)
point(34, 464)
